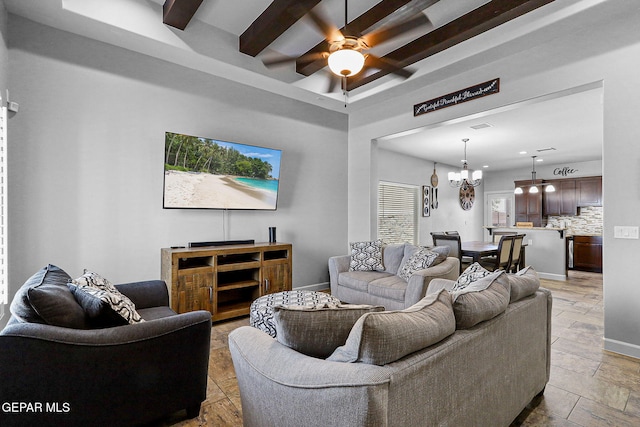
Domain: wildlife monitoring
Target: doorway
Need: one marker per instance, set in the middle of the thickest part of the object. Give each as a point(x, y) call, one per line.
point(498, 210)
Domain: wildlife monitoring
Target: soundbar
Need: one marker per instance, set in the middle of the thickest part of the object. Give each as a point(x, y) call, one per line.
point(221, 243)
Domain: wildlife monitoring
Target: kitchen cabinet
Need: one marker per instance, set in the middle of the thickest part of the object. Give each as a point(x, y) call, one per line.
point(587, 253)
point(589, 191)
point(563, 200)
point(528, 205)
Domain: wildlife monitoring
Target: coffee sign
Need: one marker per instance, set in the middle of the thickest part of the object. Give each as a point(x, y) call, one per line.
point(565, 171)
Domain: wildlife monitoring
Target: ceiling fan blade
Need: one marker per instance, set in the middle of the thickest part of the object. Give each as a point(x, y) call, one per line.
point(330, 31)
point(275, 61)
point(388, 65)
point(384, 34)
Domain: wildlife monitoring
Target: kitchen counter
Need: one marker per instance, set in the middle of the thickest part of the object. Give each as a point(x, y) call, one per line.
point(524, 229)
point(545, 251)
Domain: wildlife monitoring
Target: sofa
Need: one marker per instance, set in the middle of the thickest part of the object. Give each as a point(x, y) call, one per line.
point(62, 365)
point(379, 282)
point(441, 369)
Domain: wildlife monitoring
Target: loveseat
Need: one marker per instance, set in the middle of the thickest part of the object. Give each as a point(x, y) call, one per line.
point(397, 368)
point(381, 284)
point(82, 374)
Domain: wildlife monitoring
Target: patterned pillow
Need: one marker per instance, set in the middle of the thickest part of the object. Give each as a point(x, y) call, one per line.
point(98, 297)
point(472, 274)
point(420, 260)
point(366, 256)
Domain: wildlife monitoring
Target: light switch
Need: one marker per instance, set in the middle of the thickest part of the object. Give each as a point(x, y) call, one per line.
point(625, 232)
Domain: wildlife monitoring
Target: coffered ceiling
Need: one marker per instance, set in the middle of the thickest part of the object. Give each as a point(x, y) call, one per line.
point(220, 31)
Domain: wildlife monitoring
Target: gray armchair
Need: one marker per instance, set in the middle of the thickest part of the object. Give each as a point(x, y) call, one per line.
point(118, 376)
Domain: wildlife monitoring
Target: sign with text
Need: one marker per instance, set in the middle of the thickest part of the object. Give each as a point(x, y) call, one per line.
point(458, 97)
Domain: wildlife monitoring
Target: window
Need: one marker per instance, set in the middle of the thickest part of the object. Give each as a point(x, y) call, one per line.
point(398, 206)
point(4, 282)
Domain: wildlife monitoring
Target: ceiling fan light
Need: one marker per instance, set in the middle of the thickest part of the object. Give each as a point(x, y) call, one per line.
point(346, 62)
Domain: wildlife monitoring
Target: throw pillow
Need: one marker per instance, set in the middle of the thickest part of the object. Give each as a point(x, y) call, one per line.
point(523, 283)
point(472, 274)
point(366, 256)
point(317, 331)
point(382, 338)
point(442, 251)
point(45, 298)
point(420, 260)
point(99, 304)
point(481, 300)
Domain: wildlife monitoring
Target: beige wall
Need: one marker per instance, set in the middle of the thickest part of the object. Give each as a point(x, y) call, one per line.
point(86, 160)
point(545, 69)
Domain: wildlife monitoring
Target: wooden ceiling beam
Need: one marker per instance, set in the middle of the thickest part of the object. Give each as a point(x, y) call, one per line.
point(178, 13)
point(275, 20)
point(482, 19)
point(361, 23)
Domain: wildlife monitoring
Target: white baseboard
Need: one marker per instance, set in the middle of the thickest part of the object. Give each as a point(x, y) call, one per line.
point(620, 347)
point(551, 276)
point(314, 287)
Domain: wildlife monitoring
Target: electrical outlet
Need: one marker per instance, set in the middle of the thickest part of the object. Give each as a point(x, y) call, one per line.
point(625, 232)
point(530, 242)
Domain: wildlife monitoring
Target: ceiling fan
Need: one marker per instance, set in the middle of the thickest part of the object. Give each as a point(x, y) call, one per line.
point(347, 53)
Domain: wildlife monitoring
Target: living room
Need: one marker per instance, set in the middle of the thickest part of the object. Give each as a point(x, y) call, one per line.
point(86, 149)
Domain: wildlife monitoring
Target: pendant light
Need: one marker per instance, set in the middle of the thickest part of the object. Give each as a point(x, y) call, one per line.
point(533, 189)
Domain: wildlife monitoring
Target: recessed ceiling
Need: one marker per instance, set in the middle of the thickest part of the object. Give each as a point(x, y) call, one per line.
point(560, 128)
point(210, 44)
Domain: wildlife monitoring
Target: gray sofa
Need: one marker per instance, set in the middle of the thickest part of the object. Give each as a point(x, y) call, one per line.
point(113, 376)
point(385, 287)
point(483, 375)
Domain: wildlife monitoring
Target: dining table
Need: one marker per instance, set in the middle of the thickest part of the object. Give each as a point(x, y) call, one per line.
point(477, 249)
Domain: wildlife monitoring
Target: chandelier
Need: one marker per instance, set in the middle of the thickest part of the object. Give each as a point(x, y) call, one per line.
point(533, 189)
point(461, 179)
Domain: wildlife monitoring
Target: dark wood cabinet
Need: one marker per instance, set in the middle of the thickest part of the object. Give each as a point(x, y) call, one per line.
point(589, 191)
point(528, 205)
point(587, 253)
point(563, 200)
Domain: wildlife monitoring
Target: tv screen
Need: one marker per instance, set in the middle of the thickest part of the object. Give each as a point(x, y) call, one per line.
point(203, 173)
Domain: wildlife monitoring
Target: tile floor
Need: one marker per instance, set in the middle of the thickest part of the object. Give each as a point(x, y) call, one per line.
point(588, 386)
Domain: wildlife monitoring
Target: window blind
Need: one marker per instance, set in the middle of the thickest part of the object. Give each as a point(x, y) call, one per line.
point(4, 282)
point(398, 207)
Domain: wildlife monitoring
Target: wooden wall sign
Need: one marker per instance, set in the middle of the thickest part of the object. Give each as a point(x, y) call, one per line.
point(458, 97)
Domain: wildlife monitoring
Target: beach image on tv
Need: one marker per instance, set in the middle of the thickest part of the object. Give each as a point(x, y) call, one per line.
point(202, 173)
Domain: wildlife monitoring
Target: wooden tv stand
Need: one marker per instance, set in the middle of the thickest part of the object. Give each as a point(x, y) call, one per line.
point(225, 280)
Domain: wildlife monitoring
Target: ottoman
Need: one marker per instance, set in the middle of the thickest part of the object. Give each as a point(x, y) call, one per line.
point(261, 314)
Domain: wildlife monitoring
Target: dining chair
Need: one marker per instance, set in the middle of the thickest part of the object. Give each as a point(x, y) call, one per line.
point(496, 235)
point(515, 253)
point(454, 244)
point(503, 258)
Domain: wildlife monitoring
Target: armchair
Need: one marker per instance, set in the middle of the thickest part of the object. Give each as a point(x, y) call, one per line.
point(123, 375)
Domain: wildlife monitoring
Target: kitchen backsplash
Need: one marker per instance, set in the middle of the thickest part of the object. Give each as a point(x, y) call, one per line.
point(588, 222)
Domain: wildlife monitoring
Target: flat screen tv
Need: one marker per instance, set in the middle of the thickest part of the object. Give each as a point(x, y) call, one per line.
point(204, 173)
